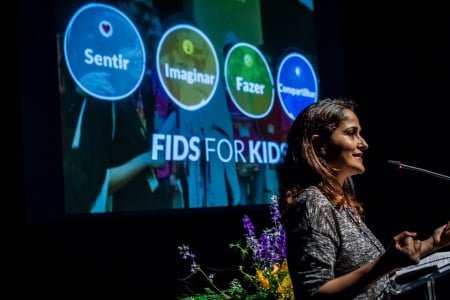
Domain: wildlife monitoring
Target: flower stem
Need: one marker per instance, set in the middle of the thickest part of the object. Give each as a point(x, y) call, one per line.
point(213, 285)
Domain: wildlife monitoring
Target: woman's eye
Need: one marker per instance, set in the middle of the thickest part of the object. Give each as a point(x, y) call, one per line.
point(350, 132)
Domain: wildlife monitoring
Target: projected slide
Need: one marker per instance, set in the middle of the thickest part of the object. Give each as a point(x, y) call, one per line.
point(180, 106)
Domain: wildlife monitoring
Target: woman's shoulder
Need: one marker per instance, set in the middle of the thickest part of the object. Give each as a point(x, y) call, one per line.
point(311, 196)
point(311, 209)
point(312, 203)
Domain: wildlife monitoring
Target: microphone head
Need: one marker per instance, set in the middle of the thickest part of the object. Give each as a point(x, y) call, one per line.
point(394, 162)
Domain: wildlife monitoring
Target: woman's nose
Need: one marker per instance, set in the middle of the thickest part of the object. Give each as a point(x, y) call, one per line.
point(362, 143)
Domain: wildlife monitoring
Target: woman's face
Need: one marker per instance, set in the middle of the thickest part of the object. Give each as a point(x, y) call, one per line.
point(346, 146)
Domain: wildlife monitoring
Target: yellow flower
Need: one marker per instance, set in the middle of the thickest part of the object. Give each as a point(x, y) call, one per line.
point(284, 267)
point(275, 268)
point(285, 288)
point(263, 280)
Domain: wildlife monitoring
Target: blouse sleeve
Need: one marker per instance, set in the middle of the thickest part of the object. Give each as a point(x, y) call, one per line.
point(313, 243)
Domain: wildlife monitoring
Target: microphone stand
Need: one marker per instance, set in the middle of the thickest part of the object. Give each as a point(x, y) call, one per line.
point(420, 170)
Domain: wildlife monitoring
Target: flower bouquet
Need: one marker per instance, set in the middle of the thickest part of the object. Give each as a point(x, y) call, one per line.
point(264, 273)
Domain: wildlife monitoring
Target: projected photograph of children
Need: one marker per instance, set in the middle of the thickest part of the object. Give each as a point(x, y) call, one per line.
point(175, 105)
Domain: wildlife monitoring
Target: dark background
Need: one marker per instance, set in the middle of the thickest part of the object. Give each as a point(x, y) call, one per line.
point(392, 59)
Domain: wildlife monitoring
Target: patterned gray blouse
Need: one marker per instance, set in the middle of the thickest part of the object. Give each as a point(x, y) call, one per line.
point(324, 243)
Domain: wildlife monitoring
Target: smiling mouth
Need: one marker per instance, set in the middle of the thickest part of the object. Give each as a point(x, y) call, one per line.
point(358, 156)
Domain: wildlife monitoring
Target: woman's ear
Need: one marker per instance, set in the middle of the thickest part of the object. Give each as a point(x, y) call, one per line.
point(319, 147)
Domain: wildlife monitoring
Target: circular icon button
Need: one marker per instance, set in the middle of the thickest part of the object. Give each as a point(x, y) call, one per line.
point(187, 66)
point(104, 52)
point(249, 80)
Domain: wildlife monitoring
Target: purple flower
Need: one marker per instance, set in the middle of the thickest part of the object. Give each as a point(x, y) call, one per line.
point(270, 247)
point(186, 254)
point(250, 236)
point(283, 243)
point(274, 211)
point(248, 227)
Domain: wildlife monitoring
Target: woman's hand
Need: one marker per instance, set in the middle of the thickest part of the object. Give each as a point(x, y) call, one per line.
point(402, 251)
point(408, 246)
point(439, 239)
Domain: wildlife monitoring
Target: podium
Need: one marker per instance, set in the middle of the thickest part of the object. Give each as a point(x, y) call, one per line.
point(428, 280)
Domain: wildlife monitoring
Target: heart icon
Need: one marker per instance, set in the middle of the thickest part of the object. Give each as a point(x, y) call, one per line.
point(106, 28)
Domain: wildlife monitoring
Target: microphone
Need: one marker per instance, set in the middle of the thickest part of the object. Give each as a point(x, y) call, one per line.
point(411, 168)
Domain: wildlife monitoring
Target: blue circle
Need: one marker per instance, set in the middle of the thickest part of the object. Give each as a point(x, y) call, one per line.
point(104, 52)
point(296, 84)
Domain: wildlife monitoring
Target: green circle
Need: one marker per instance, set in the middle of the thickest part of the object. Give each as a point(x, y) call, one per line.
point(249, 80)
point(187, 66)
